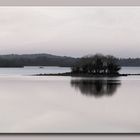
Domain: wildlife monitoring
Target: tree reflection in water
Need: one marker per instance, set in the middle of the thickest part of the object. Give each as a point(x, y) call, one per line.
point(96, 88)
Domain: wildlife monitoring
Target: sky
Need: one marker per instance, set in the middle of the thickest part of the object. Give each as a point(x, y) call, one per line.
point(70, 31)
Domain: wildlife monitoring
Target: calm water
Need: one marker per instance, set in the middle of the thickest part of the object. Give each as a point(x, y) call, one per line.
point(66, 104)
point(33, 70)
point(38, 70)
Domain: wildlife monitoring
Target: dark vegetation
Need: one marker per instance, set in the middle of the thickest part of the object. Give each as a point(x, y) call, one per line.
point(97, 65)
point(35, 60)
point(13, 60)
point(130, 62)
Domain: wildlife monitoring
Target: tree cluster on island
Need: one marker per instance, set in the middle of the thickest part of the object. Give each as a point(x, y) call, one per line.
point(97, 64)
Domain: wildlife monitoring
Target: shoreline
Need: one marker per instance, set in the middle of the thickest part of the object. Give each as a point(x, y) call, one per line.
point(84, 75)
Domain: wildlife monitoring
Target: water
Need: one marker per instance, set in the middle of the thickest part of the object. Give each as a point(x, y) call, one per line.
point(33, 70)
point(130, 70)
point(38, 70)
point(57, 104)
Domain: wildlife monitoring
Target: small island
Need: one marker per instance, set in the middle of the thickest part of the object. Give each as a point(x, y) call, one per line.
point(97, 65)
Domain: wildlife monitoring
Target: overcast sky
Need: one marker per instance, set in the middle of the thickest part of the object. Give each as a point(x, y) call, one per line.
point(71, 31)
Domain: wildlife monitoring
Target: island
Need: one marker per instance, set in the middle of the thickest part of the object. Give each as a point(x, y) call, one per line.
point(97, 65)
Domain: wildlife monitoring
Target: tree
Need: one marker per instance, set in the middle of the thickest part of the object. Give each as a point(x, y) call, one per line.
point(97, 64)
point(112, 66)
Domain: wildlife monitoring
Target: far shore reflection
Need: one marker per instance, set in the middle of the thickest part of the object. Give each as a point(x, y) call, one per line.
point(96, 88)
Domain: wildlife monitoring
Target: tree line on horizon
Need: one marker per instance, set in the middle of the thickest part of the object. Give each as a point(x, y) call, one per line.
point(52, 60)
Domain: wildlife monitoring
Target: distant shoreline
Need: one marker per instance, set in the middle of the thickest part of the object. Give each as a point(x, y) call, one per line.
point(44, 59)
point(11, 66)
point(84, 75)
point(48, 66)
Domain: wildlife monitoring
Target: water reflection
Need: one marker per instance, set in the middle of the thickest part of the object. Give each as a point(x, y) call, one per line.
point(96, 88)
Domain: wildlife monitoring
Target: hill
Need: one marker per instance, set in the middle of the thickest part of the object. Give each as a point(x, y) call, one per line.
point(43, 59)
point(14, 60)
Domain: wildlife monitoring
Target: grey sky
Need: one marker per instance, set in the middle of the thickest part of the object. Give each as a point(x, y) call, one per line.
point(72, 31)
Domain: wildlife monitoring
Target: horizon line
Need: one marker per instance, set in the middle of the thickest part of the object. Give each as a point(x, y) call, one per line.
point(67, 55)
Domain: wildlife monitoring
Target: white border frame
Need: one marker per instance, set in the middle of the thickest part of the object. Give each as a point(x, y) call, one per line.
point(69, 2)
